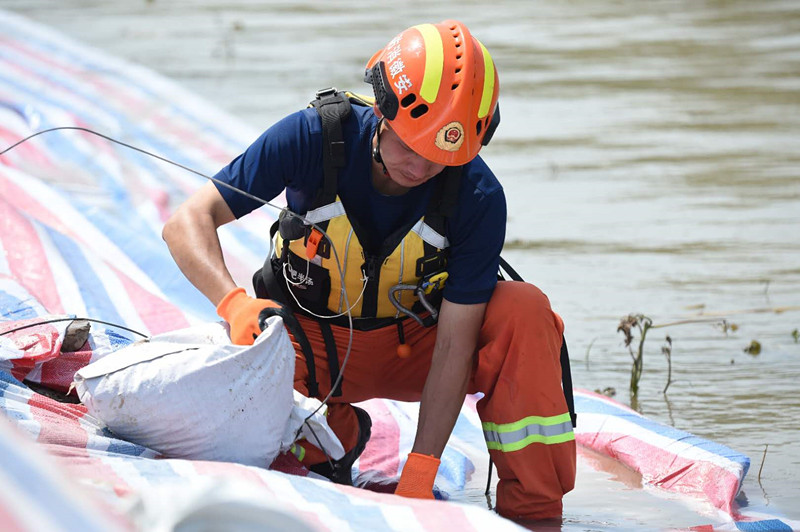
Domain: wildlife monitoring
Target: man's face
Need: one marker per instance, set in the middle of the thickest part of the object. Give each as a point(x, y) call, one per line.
point(405, 167)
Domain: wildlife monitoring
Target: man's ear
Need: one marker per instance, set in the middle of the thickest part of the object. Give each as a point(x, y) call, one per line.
point(377, 111)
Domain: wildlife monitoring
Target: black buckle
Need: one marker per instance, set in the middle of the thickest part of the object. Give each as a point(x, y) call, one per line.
point(371, 267)
point(431, 265)
point(326, 93)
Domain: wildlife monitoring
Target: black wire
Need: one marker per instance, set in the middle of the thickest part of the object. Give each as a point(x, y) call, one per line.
point(319, 443)
point(140, 150)
point(489, 484)
point(54, 320)
point(216, 181)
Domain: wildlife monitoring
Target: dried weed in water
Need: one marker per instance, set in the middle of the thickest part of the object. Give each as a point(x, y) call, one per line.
point(643, 324)
point(754, 348)
point(608, 391)
point(763, 458)
point(725, 326)
point(626, 325)
point(667, 351)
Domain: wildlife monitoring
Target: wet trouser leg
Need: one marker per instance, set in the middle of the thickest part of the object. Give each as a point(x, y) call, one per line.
point(525, 416)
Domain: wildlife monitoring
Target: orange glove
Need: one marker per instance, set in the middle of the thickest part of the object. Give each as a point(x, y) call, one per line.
point(416, 481)
point(241, 312)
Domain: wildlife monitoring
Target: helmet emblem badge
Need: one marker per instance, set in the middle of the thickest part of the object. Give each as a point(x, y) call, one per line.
point(450, 137)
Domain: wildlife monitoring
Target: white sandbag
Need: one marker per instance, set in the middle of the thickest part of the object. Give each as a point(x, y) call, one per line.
point(192, 394)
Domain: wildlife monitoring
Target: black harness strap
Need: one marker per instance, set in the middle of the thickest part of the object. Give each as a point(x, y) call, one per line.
point(566, 382)
point(291, 323)
point(506, 267)
point(440, 207)
point(434, 260)
point(333, 108)
point(333, 357)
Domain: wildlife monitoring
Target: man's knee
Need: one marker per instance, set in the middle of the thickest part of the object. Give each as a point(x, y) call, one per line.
point(522, 303)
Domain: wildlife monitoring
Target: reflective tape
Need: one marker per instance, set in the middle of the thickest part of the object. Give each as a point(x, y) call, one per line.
point(325, 213)
point(533, 429)
point(429, 235)
point(488, 82)
point(434, 62)
point(298, 451)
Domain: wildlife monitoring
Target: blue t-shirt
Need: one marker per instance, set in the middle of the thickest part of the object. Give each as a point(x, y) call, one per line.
point(289, 156)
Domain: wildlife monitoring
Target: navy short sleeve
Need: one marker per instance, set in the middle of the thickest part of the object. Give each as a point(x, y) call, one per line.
point(286, 156)
point(476, 235)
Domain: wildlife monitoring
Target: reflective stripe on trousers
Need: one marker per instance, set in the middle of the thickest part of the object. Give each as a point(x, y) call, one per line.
point(509, 437)
point(298, 451)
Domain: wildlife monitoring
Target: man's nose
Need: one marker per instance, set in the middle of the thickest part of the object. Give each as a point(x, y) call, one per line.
point(418, 167)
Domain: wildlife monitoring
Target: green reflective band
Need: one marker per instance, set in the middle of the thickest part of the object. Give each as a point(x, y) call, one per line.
point(530, 420)
point(488, 82)
point(533, 429)
point(298, 451)
point(434, 62)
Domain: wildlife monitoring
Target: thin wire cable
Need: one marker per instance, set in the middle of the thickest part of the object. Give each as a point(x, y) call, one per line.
point(245, 194)
point(54, 320)
point(294, 296)
point(319, 443)
point(301, 282)
point(140, 150)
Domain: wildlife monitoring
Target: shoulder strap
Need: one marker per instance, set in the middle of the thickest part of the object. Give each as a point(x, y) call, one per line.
point(566, 382)
point(444, 199)
point(440, 207)
point(511, 272)
point(333, 108)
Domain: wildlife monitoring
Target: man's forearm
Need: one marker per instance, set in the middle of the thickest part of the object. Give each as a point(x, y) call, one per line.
point(201, 261)
point(191, 236)
point(448, 378)
point(441, 402)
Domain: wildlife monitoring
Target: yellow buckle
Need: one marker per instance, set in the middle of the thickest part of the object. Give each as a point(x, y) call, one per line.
point(436, 282)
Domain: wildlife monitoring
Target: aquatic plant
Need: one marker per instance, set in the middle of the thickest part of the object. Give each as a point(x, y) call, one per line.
point(667, 351)
point(626, 325)
point(754, 348)
point(608, 391)
point(643, 324)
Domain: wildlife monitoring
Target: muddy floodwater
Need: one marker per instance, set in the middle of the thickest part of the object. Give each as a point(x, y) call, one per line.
point(650, 153)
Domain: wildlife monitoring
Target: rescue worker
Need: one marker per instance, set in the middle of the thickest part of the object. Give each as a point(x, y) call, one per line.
point(406, 201)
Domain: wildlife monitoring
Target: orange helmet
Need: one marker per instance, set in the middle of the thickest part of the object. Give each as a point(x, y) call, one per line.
point(437, 86)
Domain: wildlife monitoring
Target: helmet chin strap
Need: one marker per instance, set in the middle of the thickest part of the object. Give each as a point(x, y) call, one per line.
point(376, 150)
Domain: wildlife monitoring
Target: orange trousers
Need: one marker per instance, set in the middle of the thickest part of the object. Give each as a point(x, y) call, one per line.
point(517, 369)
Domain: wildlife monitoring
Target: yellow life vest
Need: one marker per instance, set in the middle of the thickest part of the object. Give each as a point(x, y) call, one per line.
point(367, 279)
point(305, 264)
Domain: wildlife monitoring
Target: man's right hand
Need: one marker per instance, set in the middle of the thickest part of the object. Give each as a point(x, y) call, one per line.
point(241, 312)
point(419, 474)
